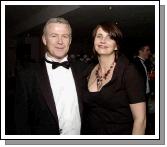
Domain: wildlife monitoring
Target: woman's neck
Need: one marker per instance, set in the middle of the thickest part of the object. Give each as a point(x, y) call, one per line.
point(106, 62)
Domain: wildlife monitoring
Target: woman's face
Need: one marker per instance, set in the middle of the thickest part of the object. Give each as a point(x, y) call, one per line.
point(103, 44)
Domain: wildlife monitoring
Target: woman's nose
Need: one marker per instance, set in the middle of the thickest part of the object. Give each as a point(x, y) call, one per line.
point(103, 40)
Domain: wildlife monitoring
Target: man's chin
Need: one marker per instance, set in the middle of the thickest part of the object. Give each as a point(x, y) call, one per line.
point(59, 56)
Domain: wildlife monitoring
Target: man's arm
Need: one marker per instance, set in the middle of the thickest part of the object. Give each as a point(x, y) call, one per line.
point(21, 107)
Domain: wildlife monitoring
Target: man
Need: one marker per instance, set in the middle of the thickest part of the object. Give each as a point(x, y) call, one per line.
point(143, 53)
point(47, 94)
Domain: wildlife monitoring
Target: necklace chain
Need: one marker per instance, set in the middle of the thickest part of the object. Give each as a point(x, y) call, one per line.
point(100, 78)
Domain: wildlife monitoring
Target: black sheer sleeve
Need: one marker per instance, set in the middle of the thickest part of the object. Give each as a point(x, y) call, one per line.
point(134, 84)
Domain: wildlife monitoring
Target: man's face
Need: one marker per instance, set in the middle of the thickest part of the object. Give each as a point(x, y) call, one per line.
point(146, 52)
point(57, 38)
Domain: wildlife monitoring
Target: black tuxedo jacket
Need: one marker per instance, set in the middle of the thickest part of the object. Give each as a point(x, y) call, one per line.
point(35, 110)
point(139, 66)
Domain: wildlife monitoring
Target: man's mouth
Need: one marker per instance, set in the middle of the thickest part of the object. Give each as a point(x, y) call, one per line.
point(59, 48)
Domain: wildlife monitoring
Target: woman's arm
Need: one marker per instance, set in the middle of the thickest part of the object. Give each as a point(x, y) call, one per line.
point(139, 115)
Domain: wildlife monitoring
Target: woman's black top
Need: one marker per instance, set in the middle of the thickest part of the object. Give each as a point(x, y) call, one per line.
point(108, 112)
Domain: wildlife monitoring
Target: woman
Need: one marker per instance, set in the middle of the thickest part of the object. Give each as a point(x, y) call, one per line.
point(113, 91)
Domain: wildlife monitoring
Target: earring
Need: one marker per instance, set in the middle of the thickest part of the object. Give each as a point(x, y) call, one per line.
point(116, 49)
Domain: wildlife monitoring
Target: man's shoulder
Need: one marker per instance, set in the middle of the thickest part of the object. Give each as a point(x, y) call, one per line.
point(136, 61)
point(136, 58)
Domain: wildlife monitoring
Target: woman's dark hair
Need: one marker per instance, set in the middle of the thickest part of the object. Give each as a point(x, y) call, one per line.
point(114, 33)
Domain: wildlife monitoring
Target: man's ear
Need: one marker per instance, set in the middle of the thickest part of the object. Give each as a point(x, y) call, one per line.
point(44, 39)
point(140, 51)
point(70, 40)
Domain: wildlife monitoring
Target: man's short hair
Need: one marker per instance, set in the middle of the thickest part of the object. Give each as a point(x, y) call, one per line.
point(57, 20)
point(140, 46)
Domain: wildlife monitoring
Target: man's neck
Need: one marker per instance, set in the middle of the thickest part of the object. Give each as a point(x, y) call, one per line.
point(51, 58)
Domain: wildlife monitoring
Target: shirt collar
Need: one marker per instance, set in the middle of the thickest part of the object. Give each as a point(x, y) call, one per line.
point(141, 59)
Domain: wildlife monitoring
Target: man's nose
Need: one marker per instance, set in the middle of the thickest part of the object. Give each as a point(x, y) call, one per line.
point(60, 41)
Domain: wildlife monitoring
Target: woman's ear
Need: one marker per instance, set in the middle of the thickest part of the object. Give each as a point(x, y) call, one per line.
point(116, 49)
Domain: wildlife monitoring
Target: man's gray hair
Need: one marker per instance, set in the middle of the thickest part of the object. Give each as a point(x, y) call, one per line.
point(57, 20)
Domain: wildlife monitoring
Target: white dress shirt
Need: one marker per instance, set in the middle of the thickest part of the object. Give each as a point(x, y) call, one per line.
point(65, 97)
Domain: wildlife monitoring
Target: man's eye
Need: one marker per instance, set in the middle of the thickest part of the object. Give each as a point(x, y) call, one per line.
point(65, 36)
point(53, 35)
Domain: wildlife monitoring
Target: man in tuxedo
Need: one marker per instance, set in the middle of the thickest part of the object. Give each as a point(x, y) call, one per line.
point(143, 53)
point(47, 92)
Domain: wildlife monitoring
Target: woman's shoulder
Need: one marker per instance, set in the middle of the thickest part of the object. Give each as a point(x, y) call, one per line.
point(126, 61)
point(123, 58)
point(122, 62)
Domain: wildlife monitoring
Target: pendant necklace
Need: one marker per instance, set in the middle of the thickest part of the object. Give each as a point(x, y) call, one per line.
point(101, 78)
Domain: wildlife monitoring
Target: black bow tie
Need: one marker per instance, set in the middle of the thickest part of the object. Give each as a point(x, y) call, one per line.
point(65, 64)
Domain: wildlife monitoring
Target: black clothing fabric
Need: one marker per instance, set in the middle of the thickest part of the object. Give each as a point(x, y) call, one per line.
point(139, 66)
point(107, 112)
point(35, 109)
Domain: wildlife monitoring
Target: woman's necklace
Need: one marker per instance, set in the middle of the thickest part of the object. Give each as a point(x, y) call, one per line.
point(101, 78)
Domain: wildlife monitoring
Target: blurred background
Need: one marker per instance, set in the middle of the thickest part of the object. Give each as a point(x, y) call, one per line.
point(23, 30)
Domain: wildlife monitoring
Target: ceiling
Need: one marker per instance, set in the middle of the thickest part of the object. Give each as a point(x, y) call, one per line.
point(16, 14)
point(133, 20)
point(136, 21)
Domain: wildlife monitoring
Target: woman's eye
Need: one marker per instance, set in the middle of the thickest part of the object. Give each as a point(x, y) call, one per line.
point(98, 36)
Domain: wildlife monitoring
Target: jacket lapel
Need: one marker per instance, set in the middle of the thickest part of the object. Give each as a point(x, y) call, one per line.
point(77, 80)
point(46, 88)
